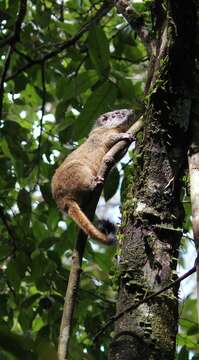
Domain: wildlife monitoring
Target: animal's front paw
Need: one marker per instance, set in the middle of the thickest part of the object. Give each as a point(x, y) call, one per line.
point(128, 136)
point(99, 180)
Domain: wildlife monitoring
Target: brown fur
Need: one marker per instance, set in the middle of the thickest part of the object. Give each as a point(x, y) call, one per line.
point(77, 177)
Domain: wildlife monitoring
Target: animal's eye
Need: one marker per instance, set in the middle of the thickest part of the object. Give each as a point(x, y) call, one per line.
point(104, 118)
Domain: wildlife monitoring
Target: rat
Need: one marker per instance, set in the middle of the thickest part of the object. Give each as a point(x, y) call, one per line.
point(76, 179)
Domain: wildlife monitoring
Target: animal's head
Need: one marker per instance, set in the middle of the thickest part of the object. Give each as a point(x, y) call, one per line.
point(123, 118)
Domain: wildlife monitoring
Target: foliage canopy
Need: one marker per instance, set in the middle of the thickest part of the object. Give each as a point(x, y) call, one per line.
point(64, 71)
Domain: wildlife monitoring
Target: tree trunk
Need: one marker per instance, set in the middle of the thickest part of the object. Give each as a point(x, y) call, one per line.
point(152, 214)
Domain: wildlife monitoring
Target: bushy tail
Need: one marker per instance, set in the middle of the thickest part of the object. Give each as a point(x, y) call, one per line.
point(86, 225)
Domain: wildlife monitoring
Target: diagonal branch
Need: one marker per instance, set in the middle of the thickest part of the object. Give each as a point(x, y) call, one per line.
point(144, 300)
point(75, 272)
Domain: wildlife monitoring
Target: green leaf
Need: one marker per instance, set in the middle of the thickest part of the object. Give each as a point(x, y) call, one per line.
point(193, 330)
point(39, 230)
point(31, 300)
point(183, 354)
point(195, 357)
point(39, 264)
point(67, 119)
point(126, 88)
point(76, 85)
point(21, 346)
point(12, 275)
point(25, 318)
point(5, 148)
point(30, 96)
point(112, 183)
point(53, 219)
point(47, 194)
point(22, 262)
point(101, 100)
point(98, 49)
point(24, 201)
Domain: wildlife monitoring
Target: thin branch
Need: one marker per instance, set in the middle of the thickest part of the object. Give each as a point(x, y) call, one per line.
point(22, 54)
point(20, 19)
point(61, 17)
point(144, 300)
point(105, 8)
point(12, 290)
point(74, 277)
point(118, 149)
point(80, 64)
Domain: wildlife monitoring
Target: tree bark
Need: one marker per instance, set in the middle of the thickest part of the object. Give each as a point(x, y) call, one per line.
point(152, 214)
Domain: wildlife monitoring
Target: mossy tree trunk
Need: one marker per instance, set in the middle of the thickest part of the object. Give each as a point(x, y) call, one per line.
point(153, 213)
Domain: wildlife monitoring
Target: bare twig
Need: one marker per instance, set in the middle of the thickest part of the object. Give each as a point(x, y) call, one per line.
point(74, 278)
point(72, 287)
point(144, 300)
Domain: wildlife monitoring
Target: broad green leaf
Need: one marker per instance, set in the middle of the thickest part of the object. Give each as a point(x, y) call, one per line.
point(195, 357)
point(13, 275)
point(5, 148)
point(111, 184)
point(39, 231)
point(26, 317)
point(29, 301)
point(47, 194)
point(76, 85)
point(53, 219)
point(101, 100)
point(38, 265)
point(126, 88)
point(183, 354)
point(30, 96)
point(22, 346)
point(67, 120)
point(22, 262)
point(98, 49)
point(24, 201)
